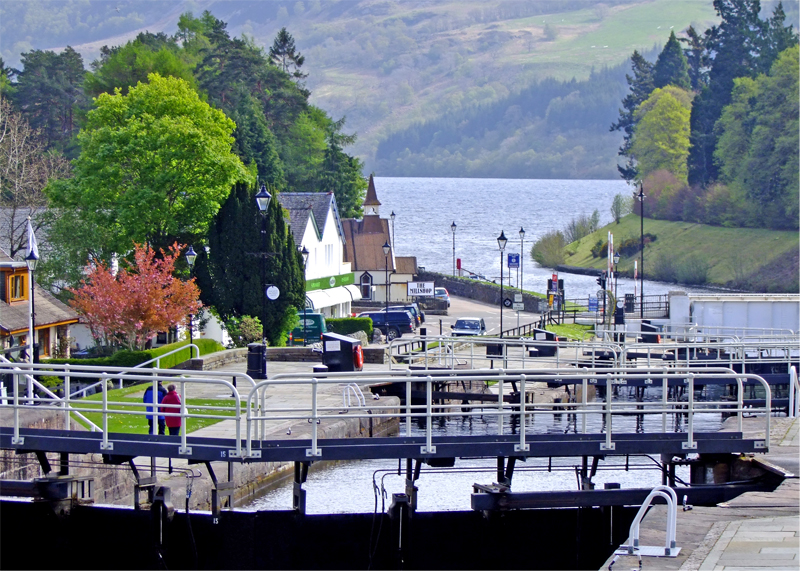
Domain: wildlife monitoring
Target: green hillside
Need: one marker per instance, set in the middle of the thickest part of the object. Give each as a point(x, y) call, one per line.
point(745, 258)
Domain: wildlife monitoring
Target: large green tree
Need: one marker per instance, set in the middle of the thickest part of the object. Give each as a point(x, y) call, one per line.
point(229, 273)
point(155, 165)
point(759, 144)
point(661, 138)
point(741, 45)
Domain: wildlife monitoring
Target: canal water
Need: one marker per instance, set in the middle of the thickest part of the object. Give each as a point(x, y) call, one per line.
point(425, 208)
point(364, 486)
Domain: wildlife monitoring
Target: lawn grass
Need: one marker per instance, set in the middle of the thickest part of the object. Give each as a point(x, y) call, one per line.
point(131, 423)
point(573, 331)
point(729, 251)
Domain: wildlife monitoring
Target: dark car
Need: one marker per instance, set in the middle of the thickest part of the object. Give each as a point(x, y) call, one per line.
point(413, 309)
point(393, 323)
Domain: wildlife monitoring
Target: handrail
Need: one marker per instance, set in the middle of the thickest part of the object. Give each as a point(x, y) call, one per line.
point(794, 392)
point(356, 390)
point(670, 549)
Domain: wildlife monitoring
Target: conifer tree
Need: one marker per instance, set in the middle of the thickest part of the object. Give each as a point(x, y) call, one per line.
point(283, 54)
point(229, 273)
point(696, 58)
point(641, 85)
point(671, 67)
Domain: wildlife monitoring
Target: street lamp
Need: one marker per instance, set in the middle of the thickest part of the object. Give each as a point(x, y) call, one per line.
point(386, 249)
point(453, 228)
point(616, 262)
point(521, 258)
point(191, 256)
point(501, 242)
point(262, 201)
point(304, 253)
point(392, 216)
point(640, 196)
point(32, 260)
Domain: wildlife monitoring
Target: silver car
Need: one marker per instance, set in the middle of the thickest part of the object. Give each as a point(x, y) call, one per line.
point(441, 293)
point(468, 326)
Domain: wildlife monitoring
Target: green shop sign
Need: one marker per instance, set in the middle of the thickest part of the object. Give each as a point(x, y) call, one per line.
point(330, 281)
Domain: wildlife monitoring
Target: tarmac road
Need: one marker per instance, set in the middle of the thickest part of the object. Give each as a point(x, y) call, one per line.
point(463, 307)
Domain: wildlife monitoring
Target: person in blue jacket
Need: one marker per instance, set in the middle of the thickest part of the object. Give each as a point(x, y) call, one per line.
point(148, 398)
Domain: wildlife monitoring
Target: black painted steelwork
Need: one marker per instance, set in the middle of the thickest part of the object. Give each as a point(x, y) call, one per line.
point(541, 445)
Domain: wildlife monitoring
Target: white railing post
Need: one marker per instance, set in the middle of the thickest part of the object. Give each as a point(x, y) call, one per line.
point(793, 408)
point(314, 451)
point(408, 402)
point(608, 445)
point(105, 444)
point(184, 421)
point(522, 446)
point(690, 444)
point(429, 448)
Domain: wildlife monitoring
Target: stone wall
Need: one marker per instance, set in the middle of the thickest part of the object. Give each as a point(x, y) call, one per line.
point(481, 291)
point(299, 354)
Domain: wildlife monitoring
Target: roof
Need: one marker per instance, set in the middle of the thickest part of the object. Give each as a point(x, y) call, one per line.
point(13, 225)
point(302, 205)
point(364, 249)
point(406, 265)
point(372, 197)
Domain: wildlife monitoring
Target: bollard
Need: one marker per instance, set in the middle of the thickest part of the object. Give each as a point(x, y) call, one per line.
point(257, 361)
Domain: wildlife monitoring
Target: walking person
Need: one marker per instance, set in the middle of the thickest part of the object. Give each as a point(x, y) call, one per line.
point(172, 398)
point(148, 398)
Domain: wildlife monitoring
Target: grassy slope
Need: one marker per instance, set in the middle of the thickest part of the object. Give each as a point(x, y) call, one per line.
point(732, 252)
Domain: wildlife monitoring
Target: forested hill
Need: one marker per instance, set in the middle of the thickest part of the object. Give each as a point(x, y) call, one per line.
point(551, 129)
point(389, 66)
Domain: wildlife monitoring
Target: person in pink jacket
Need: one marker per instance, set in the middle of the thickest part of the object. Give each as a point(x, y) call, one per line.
point(173, 398)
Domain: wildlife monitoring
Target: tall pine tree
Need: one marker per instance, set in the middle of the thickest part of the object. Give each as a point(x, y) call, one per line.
point(230, 272)
point(641, 85)
point(671, 67)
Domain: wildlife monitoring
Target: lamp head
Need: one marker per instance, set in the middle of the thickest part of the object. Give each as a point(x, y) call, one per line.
point(304, 252)
point(191, 256)
point(386, 248)
point(32, 260)
point(453, 227)
point(502, 240)
point(262, 199)
point(521, 232)
point(616, 257)
point(392, 215)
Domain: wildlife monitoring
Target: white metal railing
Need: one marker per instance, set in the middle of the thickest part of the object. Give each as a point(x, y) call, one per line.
point(354, 390)
point(107, 408)
point(312, 411)
point(794, 393)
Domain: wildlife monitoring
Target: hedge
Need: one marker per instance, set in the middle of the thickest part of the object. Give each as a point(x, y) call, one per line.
point(126, 358)
point(346, 325)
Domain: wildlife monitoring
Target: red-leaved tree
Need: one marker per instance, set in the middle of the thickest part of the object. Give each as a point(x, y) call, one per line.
point(141, 300)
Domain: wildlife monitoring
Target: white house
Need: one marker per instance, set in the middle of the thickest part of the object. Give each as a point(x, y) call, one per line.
point(316, 226)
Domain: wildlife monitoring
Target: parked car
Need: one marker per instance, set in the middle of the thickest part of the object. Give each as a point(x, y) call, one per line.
point(468, 326)
point(392, 323)
point(312, 333)
point(441, 293)
point(412, 308)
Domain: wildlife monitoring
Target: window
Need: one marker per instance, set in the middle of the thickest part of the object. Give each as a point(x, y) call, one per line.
point(366, 286)
point(16, 288)
point(44, 342)
point(329, 254)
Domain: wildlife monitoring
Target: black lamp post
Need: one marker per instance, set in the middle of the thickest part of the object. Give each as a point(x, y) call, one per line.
point(616, 263)
point(262, 200)
point(453, 228)
point(304, 253)
point(501, 242)
point(640, 196)
point(392, 216)
point(191, 256)
point(521, 258)
point(32, 260)
point(386, 249)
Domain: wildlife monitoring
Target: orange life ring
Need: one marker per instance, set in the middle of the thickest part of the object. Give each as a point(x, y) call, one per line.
point(358, 357)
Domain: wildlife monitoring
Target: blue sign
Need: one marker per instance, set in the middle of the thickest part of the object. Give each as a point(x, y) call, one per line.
point(592, 303)
point(513, 261)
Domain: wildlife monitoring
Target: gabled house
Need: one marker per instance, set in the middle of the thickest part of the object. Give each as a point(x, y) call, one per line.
point(379, 277)
point(52, 317)
point(316, 226)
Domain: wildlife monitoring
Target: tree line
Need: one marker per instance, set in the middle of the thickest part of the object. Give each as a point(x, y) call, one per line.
point(166, 140)
point(711, 127)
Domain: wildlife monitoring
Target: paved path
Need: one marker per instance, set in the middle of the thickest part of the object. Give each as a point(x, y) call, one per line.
point(757, 530)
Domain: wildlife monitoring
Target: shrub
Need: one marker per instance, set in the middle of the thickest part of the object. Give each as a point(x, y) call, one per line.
point(548, 250)
point(693, 270)
point(346, 325)
point(620, 206)
point(243, 330)
point(665, 267)
point(582, 226)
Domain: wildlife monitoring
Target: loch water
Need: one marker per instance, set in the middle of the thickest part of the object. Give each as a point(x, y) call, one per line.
point(425, 209)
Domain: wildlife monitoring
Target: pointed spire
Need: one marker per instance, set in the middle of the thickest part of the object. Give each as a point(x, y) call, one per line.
point(372, 197)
